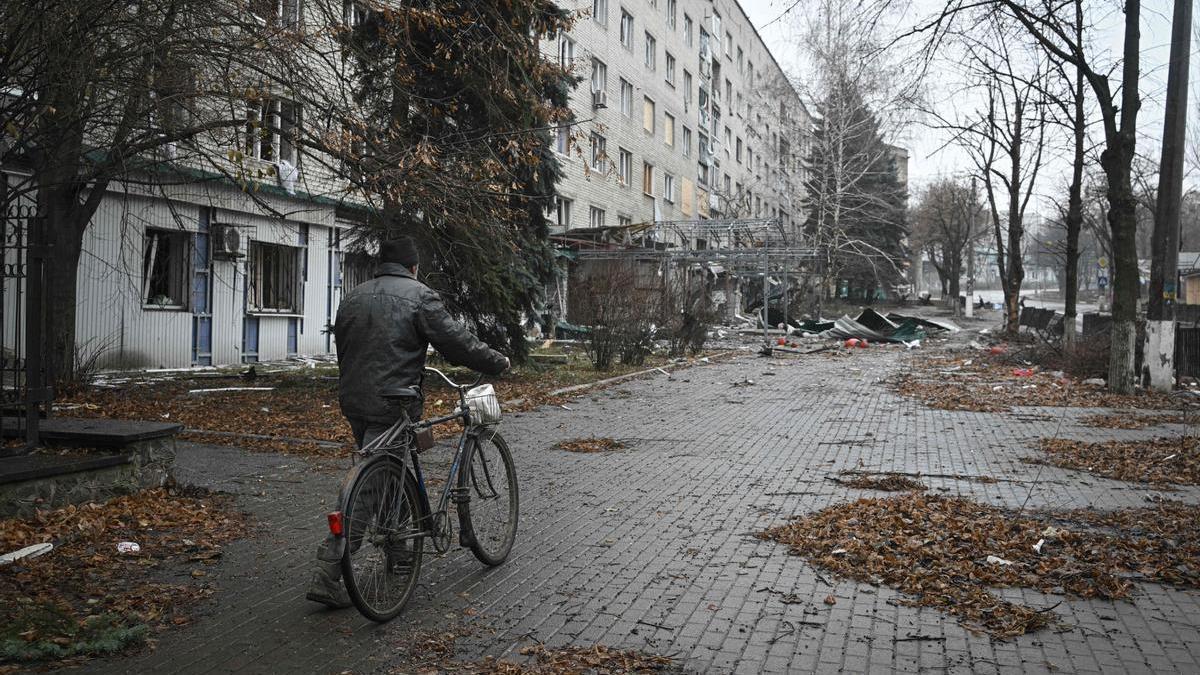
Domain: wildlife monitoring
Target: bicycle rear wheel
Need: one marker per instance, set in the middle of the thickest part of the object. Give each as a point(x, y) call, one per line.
point(489, 481)
point(385, 541)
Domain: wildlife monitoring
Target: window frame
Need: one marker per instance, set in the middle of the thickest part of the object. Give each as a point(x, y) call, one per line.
point(626, 101)
point(599, 68)
point(624, 166)
point(627, 29)
point(178, 272)
point(651, 60)
point(600, 12)
point(288, 277)
point(599, 152)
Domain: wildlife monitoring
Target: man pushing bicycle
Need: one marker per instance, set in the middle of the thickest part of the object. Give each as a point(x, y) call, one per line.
point(383, 329)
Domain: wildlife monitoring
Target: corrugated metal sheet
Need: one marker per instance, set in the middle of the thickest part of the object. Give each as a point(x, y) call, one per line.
point(111, 314)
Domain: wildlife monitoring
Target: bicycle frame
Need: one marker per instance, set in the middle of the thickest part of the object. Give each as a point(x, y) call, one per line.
point(386, 442)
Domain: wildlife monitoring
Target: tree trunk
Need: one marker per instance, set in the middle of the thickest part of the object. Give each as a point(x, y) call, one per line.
point(1122, 222)
point(1074, 203)
point(64, 238)
point(955, 273)
point(1117, 158)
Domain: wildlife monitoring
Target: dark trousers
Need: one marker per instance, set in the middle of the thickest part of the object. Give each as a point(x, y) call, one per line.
point(327, 552)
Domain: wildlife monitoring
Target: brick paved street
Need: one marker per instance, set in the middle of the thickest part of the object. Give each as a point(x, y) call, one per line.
point(650, 547)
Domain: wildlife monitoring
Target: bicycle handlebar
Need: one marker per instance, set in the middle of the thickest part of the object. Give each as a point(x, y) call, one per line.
point(451, 382)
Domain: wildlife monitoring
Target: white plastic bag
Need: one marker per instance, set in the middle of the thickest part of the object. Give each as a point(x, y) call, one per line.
point(485, 407)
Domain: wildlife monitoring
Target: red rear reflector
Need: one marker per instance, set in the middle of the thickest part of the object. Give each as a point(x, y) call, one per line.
point(335, 523)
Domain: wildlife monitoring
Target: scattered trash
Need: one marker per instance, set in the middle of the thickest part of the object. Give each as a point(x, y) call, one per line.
point(28, 552)
point(997, 560)
point(1023, 372)
point(997, 350)
point(1037, 548)
point(1094, 381)
point(830, 600)
point(128, 547)
point(1051, 532)
point(852, 343)
point(911, 345)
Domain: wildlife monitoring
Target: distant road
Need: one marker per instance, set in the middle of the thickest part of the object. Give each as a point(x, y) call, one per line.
point(1031, 300)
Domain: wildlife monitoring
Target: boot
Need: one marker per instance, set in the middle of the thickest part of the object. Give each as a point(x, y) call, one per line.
point(327, 587)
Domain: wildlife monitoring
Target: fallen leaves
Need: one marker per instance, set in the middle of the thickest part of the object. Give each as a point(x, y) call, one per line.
point(884, 483)
point(983, 382)
point(86, 596)
point(592, 444)
point(1131, 420)
point(1157, 460)
point(597, 659)
point(936, 550)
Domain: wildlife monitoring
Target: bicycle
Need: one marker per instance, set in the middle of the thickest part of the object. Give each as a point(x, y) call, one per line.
point(385, 516)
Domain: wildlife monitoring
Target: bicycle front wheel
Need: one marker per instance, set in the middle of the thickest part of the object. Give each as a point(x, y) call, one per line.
point(385, 539)
point(489, 513)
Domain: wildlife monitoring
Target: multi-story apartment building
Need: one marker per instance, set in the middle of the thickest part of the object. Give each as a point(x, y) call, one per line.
point(683, 114)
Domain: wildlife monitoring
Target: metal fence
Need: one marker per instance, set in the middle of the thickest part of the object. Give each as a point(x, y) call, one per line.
point(23, 368)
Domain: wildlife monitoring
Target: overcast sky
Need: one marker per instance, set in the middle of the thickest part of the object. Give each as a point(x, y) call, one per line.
point(776, 21)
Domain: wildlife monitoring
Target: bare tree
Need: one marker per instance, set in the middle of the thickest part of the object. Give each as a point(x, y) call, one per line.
point(1006, 141)
point(947, 224)
point(854, 202)
point(1050, 24)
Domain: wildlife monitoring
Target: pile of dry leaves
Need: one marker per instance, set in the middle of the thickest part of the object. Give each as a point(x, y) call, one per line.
point(87, 597)
point(598, 659)
point(945, 552)
point(981, 382)
point(1157, 460)
point(592, 444)
point(883, 483)
point(1135, 420)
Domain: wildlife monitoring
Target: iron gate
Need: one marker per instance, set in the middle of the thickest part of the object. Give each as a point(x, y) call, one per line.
point(23, 368)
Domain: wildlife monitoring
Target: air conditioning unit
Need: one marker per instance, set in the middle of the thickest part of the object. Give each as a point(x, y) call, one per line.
point(599, 99)
point(226, 242)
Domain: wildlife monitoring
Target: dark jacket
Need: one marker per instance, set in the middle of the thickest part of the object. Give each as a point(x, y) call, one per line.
point(383, 328)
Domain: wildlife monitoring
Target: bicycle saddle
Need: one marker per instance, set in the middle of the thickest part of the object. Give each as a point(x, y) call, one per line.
point(400, 393)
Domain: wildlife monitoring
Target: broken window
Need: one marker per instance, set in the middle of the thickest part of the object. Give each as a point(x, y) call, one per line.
point(273, 276)
point(165, 269)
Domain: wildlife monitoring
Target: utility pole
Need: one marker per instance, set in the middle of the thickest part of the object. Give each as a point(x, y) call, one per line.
point(1159, 356)
point(970, 306)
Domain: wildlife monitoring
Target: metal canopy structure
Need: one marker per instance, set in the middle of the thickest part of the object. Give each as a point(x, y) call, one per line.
point(745, 247)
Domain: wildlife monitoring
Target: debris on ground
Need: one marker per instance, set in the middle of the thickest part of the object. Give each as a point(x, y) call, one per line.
point(296, 411)
point(984, 382)
point(936, 549)
point(1156, 460)
point(591, 444)
point(90, 595)
point(885, 483)
point(1133, 420)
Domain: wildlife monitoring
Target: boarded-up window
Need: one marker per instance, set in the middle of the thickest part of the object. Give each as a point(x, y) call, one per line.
point(687, 197)
point(648, 115)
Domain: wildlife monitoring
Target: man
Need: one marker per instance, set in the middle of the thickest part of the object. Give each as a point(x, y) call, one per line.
point(383, 329)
